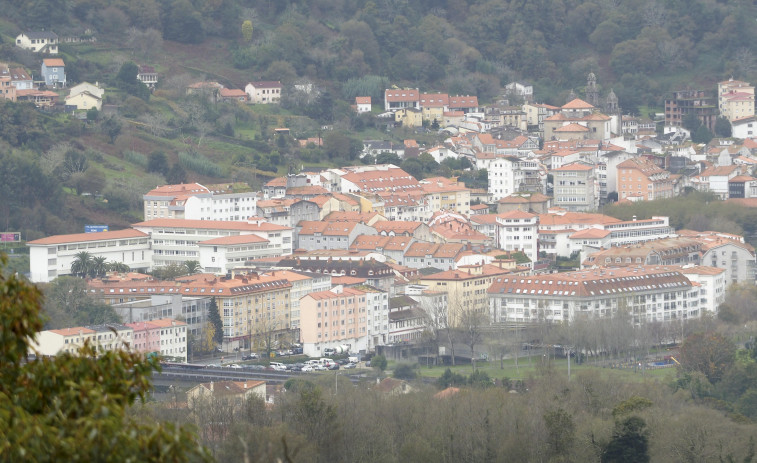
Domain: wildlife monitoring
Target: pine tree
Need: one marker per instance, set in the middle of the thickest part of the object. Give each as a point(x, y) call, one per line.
point(215, 318)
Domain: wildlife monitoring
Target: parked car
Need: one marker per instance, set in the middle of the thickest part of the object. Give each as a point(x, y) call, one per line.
point(349, 366)
point(234, 366)
point(254, 367)
point(278, 366)
point(250, 356)
point(297, 351)
point(319, 367)
point(308, 368)
point(333, 366)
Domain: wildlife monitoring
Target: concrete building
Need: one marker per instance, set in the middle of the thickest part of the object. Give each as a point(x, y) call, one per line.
point(52, 257)
point(38, 42)
point(575, 187)
point(519, 231)
point(647, 293)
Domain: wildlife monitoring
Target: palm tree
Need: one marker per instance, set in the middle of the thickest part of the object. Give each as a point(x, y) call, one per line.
point(192, 266)
point(81, 264)
point(119, 267)
point(99, 266)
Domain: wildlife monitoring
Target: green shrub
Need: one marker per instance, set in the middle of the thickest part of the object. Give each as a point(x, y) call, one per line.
point(135, 158)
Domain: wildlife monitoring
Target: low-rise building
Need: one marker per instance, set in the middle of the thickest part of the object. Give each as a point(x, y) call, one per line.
point(54, 72)
point(52, 257)
point(38, 42)
point(264, 92)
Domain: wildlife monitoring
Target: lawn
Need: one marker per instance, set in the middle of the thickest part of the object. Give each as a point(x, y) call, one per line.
point(533, 366)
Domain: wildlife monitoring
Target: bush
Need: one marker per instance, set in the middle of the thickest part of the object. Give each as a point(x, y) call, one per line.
point(199, 164)
point(405, 371)
point(136, 158)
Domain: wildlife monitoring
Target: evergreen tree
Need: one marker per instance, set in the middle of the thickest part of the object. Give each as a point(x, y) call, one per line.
point(629, 444)
point(215, 318)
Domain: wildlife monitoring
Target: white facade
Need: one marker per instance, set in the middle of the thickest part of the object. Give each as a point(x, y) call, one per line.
point(52, 257)
point(518, 231)
point(508, 175)
point(68, 340)
point(377, 306)
point(232, 206)
point(175, 241)
point(38, 42)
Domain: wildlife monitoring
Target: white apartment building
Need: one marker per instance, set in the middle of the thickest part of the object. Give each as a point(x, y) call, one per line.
point(68, 340)
point(178, 240)
point(519, 231)
point(649, 294)
point(52, 257)
point(576, 187)
point(193, 201)
point(509, 174)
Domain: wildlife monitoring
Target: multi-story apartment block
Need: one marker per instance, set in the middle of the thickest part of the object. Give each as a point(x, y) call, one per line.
point(340, 317)
point(576, 187)
point(465, 288)
point(519, 231)
point(640, 179)
point(697, 102)
point(647, 294)
point(735, 99)
point(164, 336)
point(510, 174)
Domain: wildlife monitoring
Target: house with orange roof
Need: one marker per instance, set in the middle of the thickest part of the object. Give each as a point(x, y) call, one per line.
point(576, 187)
point(744, 127)
point(417, 230)
point(405, 206)
point(164, 336)
point(395, 99)
point(727, 251)
point(367, 218)
point(228, 95)
point(393, 247)
point(577, 119)
point(446, 194)
point(362, 104)
point(66, 340)
point(421, 254)
point(275, 188)
point(375, 179)
point(408, 117)
point(54, 72)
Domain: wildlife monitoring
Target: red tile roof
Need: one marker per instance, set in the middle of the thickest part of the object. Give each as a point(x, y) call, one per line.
point(577, 104)
point(85, 237)
point(211, 225)
point(231, 240)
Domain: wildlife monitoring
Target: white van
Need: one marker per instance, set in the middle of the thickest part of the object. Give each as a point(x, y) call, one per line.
point(326, 361)
point(277, 366)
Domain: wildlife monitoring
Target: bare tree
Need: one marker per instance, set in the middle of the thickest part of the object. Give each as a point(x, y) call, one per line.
point(471, 326)
point(144, 42)
point(654, 14)
point(157, 123)
point(435, 321)
point(54, 157)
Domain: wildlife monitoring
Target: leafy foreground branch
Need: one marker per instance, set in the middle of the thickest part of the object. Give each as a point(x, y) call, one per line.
point(72, 408)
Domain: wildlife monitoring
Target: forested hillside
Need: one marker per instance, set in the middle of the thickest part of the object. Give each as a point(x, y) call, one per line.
point(640, 47)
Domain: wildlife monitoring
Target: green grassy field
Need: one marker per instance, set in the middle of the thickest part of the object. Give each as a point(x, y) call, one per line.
point(526, 368)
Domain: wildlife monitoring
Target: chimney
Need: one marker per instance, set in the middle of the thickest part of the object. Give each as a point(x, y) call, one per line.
point(245, 384)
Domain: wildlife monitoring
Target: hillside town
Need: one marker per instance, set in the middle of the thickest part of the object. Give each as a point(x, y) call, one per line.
point(395, 254)
point(378, 231)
